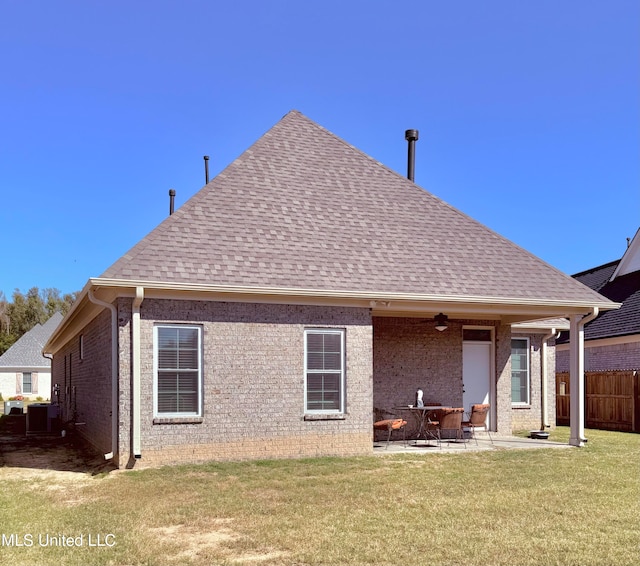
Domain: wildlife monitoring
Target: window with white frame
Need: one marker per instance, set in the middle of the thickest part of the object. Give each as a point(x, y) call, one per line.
point(177, 351)
point(520, 371)
point(27, 384)
point(324, 371)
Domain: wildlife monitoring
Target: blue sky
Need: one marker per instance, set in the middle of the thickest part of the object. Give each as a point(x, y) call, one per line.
point(528, 112)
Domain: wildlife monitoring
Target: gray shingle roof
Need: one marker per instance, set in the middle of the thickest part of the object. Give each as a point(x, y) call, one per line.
point(301, 208)
point(623, 289)
point(27, 350)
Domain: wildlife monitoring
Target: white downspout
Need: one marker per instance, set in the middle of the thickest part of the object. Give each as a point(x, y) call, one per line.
point(576, 376)
point(114, 373)
point(544, 417)
point(136, 370)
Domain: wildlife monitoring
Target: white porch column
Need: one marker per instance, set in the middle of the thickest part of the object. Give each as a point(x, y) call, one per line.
point(576, 381)
point(136, 371)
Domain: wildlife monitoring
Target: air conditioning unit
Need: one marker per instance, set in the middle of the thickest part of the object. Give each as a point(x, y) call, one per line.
point(13, 407)
point(42, 418)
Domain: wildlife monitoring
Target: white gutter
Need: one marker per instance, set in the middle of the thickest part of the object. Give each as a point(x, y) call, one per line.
point(576, 377)
point(136, 370)
point(383, 296)
point(114, 372)
point(544, 422)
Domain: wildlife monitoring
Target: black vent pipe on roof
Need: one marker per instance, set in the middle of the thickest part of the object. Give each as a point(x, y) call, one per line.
point(206, 169)
point(172, 197)
point(412, 137)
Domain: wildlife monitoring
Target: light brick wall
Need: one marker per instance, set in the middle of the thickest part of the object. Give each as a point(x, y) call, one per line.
point(253, 394)
point(253, 367)
point(409, 353)
point(529, 417)
point(260, 448)
point(85, 384)
point(503, 379)
point(123, 307)
point(551, 384)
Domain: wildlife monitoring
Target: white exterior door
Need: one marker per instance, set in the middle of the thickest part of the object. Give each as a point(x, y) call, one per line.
point(476, 374)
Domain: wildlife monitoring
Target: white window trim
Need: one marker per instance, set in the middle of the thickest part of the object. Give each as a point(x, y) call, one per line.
point(526, 403)
point(24, 389)
point(341, 409)
point(157, 414)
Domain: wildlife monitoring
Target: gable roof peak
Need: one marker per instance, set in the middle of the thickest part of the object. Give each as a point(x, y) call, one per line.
point(27, 350)
point(630, 261)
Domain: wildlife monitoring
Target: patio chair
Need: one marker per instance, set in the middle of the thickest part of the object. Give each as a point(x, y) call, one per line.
point(432, 423)
point(450, 425)
point(478, 419)
point(389, 425)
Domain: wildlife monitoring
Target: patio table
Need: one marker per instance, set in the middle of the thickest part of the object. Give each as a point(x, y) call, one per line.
point(421, 416)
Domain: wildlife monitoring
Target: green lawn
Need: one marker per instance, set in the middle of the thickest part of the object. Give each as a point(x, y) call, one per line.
point(515, 507)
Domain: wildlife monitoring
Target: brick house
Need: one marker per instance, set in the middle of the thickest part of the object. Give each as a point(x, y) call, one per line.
point(292, 295)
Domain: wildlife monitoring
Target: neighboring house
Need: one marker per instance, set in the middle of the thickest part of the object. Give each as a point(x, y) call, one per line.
point(292, 295)
point(23, 369)
point(612, 341)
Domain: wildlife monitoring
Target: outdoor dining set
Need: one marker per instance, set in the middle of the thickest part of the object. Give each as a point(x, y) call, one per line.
point(434, 422)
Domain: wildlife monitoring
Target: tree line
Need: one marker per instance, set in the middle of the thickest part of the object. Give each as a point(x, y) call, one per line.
point(26, 310)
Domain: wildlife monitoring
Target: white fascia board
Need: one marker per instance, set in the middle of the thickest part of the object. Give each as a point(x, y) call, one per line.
point(380, 299)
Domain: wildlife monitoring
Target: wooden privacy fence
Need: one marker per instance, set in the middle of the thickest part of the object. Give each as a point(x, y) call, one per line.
point(612, 400)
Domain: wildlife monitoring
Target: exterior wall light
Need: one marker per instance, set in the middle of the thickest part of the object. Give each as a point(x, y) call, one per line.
point(441, 322)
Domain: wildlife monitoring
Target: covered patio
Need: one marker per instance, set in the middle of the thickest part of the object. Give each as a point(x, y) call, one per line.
point(411, 354)
point(459, 353)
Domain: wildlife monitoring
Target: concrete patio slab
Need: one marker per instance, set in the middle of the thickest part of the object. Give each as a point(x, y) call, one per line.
point(500, 442)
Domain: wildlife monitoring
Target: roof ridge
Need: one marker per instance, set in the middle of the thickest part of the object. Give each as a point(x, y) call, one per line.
point(597, 268)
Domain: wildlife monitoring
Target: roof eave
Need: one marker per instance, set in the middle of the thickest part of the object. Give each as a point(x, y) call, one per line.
point(68, 320)
point(507, 310)
point(180, 287)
